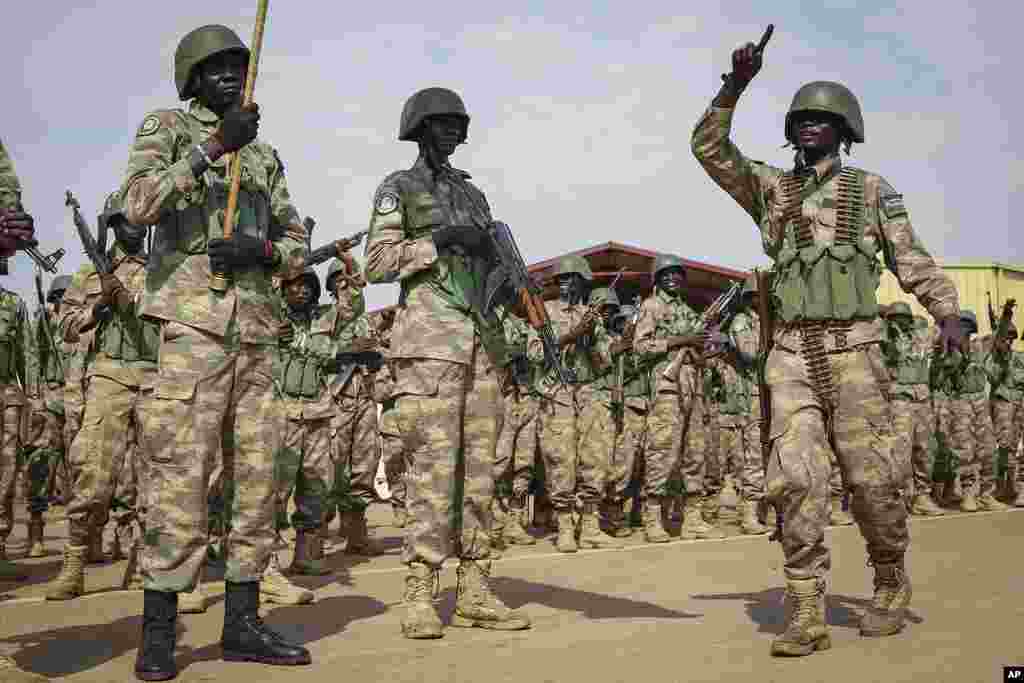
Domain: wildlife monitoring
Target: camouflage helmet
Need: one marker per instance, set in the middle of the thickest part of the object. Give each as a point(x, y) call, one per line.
point(58, 284)
point(604, 296)
point(969, 320)
point(198, 46)
point(310, 276)
point(574, 264)
point(430, 102)
point(833, 98)
point(900, 309)
point(664, 261)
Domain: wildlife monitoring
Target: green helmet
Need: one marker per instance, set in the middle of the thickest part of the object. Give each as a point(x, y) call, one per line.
point(969, 320)
point(58, 284)
point(310, 276)
point(197, 46)
point(900, 309)
point(604, 297)
point(664, 261)
point(831, 97)
point(574, 264)
point(430, 102)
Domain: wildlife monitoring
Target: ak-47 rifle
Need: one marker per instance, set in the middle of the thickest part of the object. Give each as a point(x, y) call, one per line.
point(47, 262)
point(44, 322)
point(628, 332)
point(1002, 325)
point(765, 341)
point(715, 316)
point(92, 249)
point(334, 249)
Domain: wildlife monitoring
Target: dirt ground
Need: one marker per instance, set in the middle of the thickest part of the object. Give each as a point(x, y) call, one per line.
point(685, 611)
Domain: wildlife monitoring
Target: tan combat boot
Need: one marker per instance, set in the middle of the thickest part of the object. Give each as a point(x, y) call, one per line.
point(515, 526)
point(954, 490)
point(710, 507)
point(987, 500)
point(476, 605)
point(925, 506)
point(421, 621)
point(193, 601)
point(275, 587)
point(750, 525)
point(969, 500)
point(694, 525)
point(837, 516)
point(308, 559)
point(887, 611)
point(591, 535)
point(70, 582)
point(806, 630)
point(499, 517)
point(35, 535)
point(615, 520)
point(359, 542)
point(654, 530)
point(10, 672)
point(566, 541)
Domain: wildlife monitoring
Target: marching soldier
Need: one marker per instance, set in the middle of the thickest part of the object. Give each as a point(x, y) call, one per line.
point(1006, 374)
point(428, 232)
point(216, 354)
point(824, 224)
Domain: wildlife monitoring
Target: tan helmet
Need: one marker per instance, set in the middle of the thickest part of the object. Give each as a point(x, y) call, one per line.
point(198, 46)
point(430, 102)
point(574, 264)
point(664, 261)
point(831, 97)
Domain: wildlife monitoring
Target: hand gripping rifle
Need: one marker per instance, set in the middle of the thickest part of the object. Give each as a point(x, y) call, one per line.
point(1001, 324)
point(334, 249)
point(44, 261)
point(717, 315)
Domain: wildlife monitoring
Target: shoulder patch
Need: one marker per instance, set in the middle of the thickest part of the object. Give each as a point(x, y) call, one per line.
point(150, 125)
point(892, 205)
point(386, 203)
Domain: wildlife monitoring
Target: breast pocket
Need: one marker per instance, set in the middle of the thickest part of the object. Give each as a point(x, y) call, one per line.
point(422, 210)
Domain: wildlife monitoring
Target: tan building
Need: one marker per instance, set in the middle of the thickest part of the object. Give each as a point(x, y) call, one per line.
point(974, 281)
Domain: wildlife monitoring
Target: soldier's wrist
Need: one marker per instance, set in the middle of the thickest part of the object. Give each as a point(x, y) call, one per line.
point(730, 92)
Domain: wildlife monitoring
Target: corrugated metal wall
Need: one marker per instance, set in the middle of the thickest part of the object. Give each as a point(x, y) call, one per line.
point(972, 282)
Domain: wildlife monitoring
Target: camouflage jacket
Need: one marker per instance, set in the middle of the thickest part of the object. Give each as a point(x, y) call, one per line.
point(160, 189)
point(745, 336)
point(124, 347)
point(517, 338)
point(10, 188)
point(663, 316)
point(347, 324)
point(588, 357)
point(15, 346)
point(1006, 374)
point(437, 317)
point(756, 187)
point(960, 376)
point(908, 357)
point(636, 378)
point(728, 387)
point(300, 373)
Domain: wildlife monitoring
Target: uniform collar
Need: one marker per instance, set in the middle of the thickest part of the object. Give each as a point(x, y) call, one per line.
point(196, 109)
point(666, 297)
point(424, 167)
point(824, 169)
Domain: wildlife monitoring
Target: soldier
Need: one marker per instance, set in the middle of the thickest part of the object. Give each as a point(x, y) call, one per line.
point(123, 359)
point(576, 433)
point(824, 224)
point(391, 443)
point(907, 351)
point(1006, 375)
point(667, 324)
point(216, 354)
point(428, 232)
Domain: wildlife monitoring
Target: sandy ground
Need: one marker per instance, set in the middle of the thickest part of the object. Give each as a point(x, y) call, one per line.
point(685, 611)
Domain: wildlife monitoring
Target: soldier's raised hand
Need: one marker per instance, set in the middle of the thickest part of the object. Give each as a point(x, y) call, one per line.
point(747, 60)
point(238, 127)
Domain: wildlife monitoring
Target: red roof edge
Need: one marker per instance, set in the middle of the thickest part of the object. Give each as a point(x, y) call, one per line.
point(618, 246)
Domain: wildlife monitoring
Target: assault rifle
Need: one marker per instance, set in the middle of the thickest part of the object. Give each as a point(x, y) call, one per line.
point(350, 361)
point(44, 323)
point(714, 317)
point(1001, 324)
point(92, 249)
point(334, 249)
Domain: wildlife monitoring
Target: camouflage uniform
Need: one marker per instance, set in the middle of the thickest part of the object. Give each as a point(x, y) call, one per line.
point(216, 350)
point(842, 338)
point(13, 324)
point(1006, 374)
point(45, 449)
point(745, 333)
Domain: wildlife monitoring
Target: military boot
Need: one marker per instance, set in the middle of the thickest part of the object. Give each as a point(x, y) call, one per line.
point(750, 525)
point(421, 620)
point(400, 516)
point(654, 514)
point(614, 519)
point(246, 638)
point(477, 605)
point(10, 672)
point(8, 570)
point(886, 614)
point(193, 601)
point(591, 535)
point(35, 535)
point(515, 526)
point(987, 500)
point(1018, 501)
point(155, 660)
point(710, 507)
point(806, 630)
point(694, 525)
point(566, 541)
point(971, 488)
point(70, 582)
point(95, 544)
point(359, 542)
point(308, 559)
point(924, 506)
point(837, 516)
point(275, 586)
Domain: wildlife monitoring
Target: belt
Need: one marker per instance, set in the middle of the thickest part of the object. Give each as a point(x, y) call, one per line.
point(839, 329)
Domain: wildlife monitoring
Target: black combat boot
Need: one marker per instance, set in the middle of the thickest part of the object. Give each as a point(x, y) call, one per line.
point(246, 638)
point(155, 660)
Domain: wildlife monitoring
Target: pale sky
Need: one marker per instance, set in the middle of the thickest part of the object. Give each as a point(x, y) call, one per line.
point(581, 112)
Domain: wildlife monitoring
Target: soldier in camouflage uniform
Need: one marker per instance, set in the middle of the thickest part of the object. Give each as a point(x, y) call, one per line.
point(1006, 375)
point(428, 233)
point(667, 338)
point(824, 225)
point(391, 443)
point(122, 359)
point(576, 432)
point(217, 349)
point(907, 351)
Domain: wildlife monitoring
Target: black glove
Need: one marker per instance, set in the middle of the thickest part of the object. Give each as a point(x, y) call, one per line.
point(238, 127)
point(239, 251)
point(472, 239)
point(951, 335)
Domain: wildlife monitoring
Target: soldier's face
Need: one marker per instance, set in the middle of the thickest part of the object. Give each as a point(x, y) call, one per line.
point(816, 131)
point(298, 293)
point(130, 236)
point(221, 78)
point(445, 133)
point(671, 280)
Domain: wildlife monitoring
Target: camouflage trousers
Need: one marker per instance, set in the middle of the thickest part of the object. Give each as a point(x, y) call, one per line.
point(859, 425)
point(208, 388)
point(394, 457)
point(914, 425)
point(964, 426)
point(576, 436)
point(12, 405)
point(730, 447)
point(677, 434)
point(750, 467)
point(516, 450)
point(448, 416)
point(45, 452)
point(102, 459)
point(356, 452)
point(304, 467)
point(1008, 421)
point(716, 463)
point(630, 443)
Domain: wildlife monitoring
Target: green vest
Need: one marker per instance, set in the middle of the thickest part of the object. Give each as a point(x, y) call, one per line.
point(302, 375)
point(129, 339)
